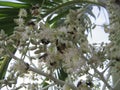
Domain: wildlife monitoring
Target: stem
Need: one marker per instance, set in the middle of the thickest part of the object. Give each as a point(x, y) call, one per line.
point(108, 66)
point(116, 83)
point(7, 82)
point(46, 75)
point(57, 81)
point(107, 78)
point(116, 76)
point(102, 77)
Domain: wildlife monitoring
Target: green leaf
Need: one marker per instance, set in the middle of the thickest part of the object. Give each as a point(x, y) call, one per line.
point(3, 67)
point(7, 24)
point(5, 61)
point(9, 11)
point(12, 4)
point(62, 75)
point(44, 83)
point(32, 2)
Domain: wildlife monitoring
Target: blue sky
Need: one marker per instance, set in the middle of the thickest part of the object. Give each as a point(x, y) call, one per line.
point(98, 34)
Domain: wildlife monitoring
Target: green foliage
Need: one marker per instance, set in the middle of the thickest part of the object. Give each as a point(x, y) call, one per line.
point(3, 66)
point(4, 62)
point(62, 74)
point(12, 4)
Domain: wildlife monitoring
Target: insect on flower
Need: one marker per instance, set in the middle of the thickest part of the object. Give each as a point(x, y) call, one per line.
point(35, 10)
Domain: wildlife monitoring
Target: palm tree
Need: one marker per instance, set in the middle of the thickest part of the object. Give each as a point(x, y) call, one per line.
point(54, 13)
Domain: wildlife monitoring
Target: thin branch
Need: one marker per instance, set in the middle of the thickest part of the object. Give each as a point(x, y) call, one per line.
point(17, 88)
point(107, 78)
point(57, 81)
point(7, 82)
point(118, 81)
point(108, 67)
point(46, 75)
point(102, 77)
point(11, 54)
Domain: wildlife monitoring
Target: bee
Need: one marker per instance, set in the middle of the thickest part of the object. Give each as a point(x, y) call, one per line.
point(27, 66)
point(117, 2)
point(35, 7)
point(31, 23)
point(45, 41)
point(43, 56)
point(70, 32)
point(60, 46)
point(53, 63)
point(89, 83)
point(79, 83)
point(35, 10)
point(84, 85)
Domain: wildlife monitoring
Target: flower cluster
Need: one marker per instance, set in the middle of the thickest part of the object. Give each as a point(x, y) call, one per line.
point(60, 47)
point(73, 61)
point(114, 30)
point(64, 47)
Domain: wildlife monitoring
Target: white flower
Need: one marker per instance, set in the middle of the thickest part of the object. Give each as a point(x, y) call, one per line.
point(47, 34)
point(26, 34)
point(73, 61)
point(19, 21)
point(2, 35)
point(20, 66)
point(71, 53)
point(22, 13)
point(35, 11)
point(62, 30)
point(20, 28)
point(53, 60)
